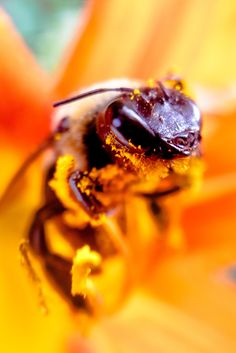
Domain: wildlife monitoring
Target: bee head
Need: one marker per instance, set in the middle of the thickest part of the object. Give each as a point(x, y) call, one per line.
point(160, 122)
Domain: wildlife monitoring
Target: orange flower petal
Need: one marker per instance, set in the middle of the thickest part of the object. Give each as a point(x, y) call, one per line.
point(219, 149)
point(121, 39)
point(195, 281)
point(150, 325)
point(24, 88)
point(146, 39)
point(197, 284)
point(212, 221)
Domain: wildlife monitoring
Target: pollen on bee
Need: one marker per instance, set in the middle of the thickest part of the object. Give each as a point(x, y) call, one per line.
point(84, 185)
point(151, 83)
point(130, 143)
point(137, 91)
point(64, 167)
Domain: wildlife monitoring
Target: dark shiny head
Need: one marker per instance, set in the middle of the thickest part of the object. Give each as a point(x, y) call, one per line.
point(160, 121)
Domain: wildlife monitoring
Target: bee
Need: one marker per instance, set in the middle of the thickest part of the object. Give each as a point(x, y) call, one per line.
point(111, 143)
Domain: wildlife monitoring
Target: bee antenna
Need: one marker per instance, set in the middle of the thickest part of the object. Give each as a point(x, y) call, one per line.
point(91, 93)
point(24, 166)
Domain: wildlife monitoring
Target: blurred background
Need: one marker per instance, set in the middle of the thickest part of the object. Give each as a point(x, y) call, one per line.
point(41, 23)
point(194, 38)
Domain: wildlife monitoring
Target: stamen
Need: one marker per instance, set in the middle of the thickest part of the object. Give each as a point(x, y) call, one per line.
point(84, 262)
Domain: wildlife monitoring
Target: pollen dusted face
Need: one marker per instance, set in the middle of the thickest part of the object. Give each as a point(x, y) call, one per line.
point(159, 122)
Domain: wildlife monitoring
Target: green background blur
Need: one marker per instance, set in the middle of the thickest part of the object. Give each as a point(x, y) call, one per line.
point(42, 22)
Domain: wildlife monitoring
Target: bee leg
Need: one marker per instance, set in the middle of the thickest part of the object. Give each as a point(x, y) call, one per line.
point(87, 200)
point(58, 268)
point(156, 209)
point(162, 193)
point(167, 220)
point(158, 213)
point(37, 239)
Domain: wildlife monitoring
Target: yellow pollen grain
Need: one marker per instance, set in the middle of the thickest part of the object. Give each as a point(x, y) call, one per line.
point(181, 166)
point(151, 83)
point(84, 185)
point(99, 220)
point(131, 144)
point(84, 262)
point(137, 91)
point(109, 140)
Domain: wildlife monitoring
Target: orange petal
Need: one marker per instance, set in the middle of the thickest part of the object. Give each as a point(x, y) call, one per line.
point(195, 280)
point(151, 325)
point(143, 39)
point(219, 149)
point(121, 39)
point(24, 89)
point(212, 221)
point(219, 124)
point(197, 283)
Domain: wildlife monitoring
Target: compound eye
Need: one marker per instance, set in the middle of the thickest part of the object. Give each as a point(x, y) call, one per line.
point(128, 127)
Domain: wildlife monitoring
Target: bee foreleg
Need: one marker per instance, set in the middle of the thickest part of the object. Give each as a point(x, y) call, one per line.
point(160, 193)
point(86, 198)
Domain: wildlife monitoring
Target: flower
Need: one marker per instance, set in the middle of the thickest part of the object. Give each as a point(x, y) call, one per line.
point(182, 315)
